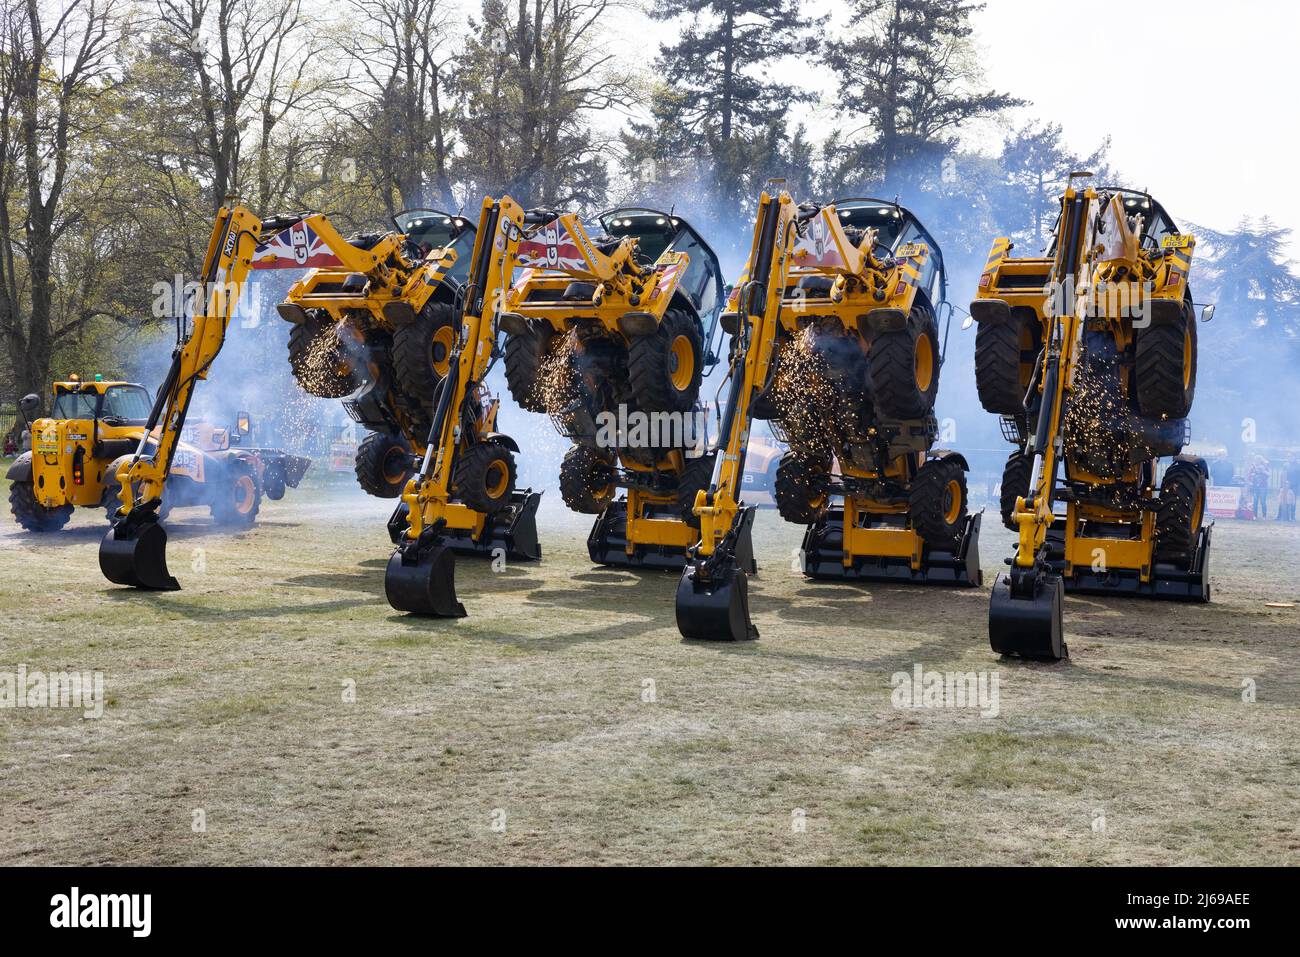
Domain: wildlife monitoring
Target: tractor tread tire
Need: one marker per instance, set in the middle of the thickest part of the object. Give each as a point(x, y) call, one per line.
point(892, 362)
point(222, 505)
point(801, 479)
point(305, 359)
point(581, 473)
point(997, 367)
point(413, 354)
point(927, 501)
point(1182, 485)
point(695, 478)
point(524, 357)
point(648, 368)
point(1015, 483)
point(1159, 370)
point(369, 465)
point(31, 514)
point(471, 476)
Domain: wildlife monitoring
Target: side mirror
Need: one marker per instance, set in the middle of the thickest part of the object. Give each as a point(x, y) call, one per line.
point(1207, 312)
point(243, 423)
point(29, 405)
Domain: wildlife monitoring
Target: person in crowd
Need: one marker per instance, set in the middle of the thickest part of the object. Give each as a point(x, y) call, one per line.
point(1257, 479)
point(1286, 502)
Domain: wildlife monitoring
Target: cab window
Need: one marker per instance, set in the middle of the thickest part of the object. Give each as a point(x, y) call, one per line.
point(75, 405)
point(930, 271)
point(699, 283)
point(127, 402)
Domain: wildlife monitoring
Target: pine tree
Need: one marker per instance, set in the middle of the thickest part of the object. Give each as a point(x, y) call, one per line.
point(906, 75)
point(719, 107)
point(1038, 164)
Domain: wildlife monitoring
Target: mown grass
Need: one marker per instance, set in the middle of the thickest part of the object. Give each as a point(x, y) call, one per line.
point(565, 721)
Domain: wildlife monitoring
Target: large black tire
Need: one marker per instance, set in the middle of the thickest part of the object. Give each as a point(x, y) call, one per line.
point(1166, 368)
point(485, 477)
point(937, 501)
point(236, 495)
point(905, 371)
point(802, 481)
point(1004, 355)
point(422, 352)
point(383, 465)
point(587, 480)
point(695, 478)
point(525, 354)
point(1179, 510)
point(273, 483)
point(664, 368)
point(31, 514)
point(1015, 484)
point(319, 361)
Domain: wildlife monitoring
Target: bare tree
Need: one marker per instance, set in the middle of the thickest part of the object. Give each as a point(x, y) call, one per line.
point(56, 70)
point(399, 118)
point(252, 62)
point(536, 76)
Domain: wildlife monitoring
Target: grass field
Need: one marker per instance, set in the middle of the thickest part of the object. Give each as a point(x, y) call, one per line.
point(565, 721)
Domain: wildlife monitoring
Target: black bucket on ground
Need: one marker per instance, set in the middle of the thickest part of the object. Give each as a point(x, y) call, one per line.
point(1027, 620)
point(713, 594)
point(134, 553)
point(422, 581)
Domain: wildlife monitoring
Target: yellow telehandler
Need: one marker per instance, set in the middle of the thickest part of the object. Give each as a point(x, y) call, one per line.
point(134, 550)
point(1089, 354)
point(94, 424)
point(610, 335)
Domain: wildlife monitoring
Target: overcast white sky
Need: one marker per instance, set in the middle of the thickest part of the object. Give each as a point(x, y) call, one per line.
point(1199, 97)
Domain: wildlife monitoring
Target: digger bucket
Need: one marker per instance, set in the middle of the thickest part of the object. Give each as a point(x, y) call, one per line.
point(422, 581)
point(134, 552)
point(1030, 624)
point(714, 605)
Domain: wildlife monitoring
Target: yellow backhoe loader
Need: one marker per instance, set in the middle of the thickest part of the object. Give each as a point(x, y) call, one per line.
point(1089, 354)
point(835, 339)
point(466, 475)
point(610, 336)
point(134, 550)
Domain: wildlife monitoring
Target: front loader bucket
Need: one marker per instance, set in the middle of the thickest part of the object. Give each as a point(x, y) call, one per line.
point(423, 581)
point(135, 553)
point(1030, 625)
point(715, 607)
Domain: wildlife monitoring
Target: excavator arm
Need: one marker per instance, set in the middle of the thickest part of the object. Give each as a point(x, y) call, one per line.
point(712, 597)
point(1025, 612)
